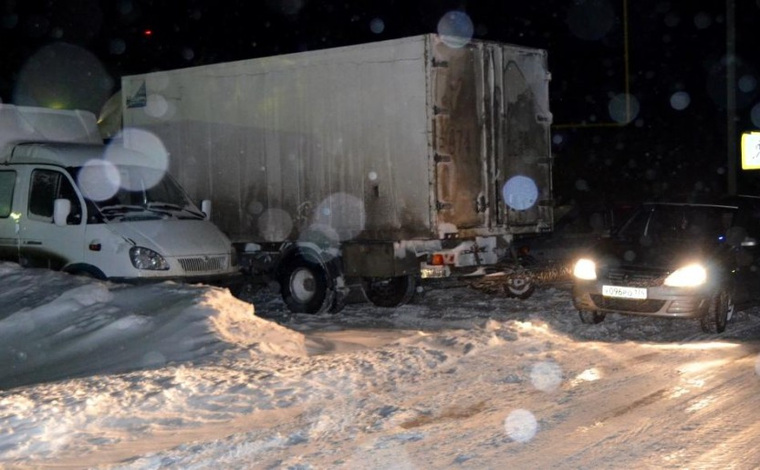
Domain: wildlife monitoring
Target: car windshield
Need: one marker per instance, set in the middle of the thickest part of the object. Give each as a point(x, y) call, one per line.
point(675, 222)
point(136, 189)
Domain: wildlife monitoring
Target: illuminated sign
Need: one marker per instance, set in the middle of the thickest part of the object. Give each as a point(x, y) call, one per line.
point(751, 150)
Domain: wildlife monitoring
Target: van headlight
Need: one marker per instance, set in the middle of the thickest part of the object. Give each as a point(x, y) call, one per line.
point(689, 276)
point(145, 258)
point(585, 269)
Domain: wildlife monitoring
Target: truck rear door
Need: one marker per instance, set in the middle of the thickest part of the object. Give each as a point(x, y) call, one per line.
point(491, 138)
point(517, 128)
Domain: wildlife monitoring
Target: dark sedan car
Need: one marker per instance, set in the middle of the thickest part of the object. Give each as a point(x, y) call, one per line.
point(673, 260)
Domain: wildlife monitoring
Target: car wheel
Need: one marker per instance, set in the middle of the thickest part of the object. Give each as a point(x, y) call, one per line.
point(305, 286)
point(591, 317)
point(731, 309)
point(715, 318)
point(389, 291)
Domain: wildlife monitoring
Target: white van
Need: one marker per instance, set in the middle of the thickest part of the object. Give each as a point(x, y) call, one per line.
point(103, 211)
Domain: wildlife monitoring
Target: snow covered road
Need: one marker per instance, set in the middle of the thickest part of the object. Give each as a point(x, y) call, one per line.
point(457, 379)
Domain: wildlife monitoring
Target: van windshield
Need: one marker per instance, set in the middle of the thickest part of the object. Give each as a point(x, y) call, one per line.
point(130, 192)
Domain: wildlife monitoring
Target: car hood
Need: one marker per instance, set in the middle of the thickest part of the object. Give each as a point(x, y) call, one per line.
point(175, 237)
point(666, 255)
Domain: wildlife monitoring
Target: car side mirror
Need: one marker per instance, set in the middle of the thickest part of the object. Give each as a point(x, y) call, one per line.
point(61, 211)
point(206, 208)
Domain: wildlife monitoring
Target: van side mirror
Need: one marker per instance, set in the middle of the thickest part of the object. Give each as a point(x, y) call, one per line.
point(206, 208)
point(61, 211)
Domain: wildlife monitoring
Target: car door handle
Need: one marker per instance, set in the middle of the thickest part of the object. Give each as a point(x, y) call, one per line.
point(32, 242)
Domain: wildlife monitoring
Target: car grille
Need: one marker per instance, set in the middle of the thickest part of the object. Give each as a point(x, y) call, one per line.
point(634, 277)
point(627, 305)
point(204, 264)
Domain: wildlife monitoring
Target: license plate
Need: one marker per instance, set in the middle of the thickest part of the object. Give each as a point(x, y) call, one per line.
point(624, 292)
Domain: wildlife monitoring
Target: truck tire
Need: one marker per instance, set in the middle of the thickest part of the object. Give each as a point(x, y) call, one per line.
point(520, 286)
point(389, 291)
point(305, 285)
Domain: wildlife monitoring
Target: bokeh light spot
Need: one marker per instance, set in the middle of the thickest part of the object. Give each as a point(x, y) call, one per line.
point(63, 73)
point(275, 225)
point(151, 148)
point(521, 425)
point(255, 208)
point(286, 7)
point(623, 108)
point(755, 115)
point(188, 54)
point(680, 100)
point(590, 20)
point(117, 46)
point(747, 83)
point(377, 25)
point(156, 106)
point(343, 213)
point(520, 193)
point(702, 20)
point(455, 29)
point(546, 376)
point(99, 180)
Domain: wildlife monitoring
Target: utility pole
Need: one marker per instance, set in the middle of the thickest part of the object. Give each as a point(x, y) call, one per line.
point(731, 139)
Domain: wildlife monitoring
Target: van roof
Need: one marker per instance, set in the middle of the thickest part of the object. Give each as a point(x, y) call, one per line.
point(31, 123)
point(73, 155)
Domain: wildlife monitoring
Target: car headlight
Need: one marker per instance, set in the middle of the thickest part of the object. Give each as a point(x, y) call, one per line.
point(585, 269)
point(145, 258)
point(689, 276)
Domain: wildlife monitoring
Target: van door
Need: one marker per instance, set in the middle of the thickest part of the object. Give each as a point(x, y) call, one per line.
point(42, 243)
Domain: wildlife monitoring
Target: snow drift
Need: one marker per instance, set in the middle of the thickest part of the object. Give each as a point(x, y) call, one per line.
point(55, 326)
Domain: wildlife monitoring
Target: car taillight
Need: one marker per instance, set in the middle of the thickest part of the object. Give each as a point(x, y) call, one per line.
point(436, 259)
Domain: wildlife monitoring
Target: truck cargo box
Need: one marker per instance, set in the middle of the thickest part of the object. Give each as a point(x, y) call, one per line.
point(402, 139)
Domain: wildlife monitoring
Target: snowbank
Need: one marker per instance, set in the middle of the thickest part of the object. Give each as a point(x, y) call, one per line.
point(54, 326)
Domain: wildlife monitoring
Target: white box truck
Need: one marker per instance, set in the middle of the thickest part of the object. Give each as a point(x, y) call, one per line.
point(71, 203)
point(375, 165)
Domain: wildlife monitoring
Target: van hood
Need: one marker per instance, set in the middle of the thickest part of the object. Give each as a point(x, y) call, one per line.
point(175, 237)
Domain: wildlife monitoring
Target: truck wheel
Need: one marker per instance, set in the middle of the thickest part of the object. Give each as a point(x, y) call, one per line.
point(520, 286)
point(715, 318)
point(389, 291)
point(591, 317)
point(305, 286)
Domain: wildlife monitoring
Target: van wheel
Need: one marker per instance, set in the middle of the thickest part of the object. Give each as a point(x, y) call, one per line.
point(85, 270)
point(591, 317)
point(715, 318)
point(305, 286)
point(389, 291)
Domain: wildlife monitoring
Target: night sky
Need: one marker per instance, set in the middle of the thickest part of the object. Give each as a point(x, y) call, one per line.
point(72, 53)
